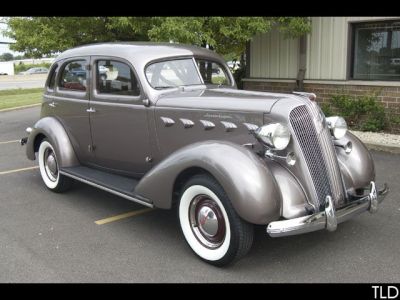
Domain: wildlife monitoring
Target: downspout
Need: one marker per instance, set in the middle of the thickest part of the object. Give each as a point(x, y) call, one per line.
point(302, 63)
point(247, 59)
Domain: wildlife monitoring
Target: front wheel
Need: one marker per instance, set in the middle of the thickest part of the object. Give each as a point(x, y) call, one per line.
point(210, 224)
point(49, 169)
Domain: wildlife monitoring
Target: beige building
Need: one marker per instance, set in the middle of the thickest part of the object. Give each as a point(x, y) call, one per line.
point(351, 55)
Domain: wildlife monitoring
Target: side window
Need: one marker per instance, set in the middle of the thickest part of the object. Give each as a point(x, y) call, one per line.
point(52, 77)
point(212, 72)
point(73, 76)
point(117, 78)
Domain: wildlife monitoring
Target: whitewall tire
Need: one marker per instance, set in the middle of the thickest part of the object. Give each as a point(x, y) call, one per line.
point(209, 223)
point(49, 168)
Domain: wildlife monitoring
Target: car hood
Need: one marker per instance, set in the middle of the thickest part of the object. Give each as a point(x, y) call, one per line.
point(220, 99)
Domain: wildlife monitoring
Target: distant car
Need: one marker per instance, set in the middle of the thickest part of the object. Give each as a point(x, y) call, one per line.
point(2, 73)
point(32, 71)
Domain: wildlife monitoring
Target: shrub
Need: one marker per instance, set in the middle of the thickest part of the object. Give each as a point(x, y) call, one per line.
point(363, 113)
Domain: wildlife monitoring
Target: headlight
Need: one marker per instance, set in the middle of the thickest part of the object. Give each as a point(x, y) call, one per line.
point(338, 126)
point(275, 136)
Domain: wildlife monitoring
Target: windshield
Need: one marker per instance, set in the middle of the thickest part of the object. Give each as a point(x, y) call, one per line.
point(172, 73)
point(182, 72)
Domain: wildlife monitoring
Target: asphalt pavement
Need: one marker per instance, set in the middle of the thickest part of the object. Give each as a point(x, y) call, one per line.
point(22, 81)
point(48, 237)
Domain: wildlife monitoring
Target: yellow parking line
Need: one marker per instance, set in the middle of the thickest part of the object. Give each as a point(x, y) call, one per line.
point(18, 170)
point(9, 142)
point(123, 216)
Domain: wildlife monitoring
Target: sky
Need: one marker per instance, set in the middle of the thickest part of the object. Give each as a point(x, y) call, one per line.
point(4, 47)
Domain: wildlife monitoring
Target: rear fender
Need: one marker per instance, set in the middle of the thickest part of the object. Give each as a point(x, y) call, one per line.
point(52, 129)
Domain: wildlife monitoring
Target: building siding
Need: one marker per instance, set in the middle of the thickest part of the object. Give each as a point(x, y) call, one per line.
point(273, 56)
point(327, 49)
point(274, 63)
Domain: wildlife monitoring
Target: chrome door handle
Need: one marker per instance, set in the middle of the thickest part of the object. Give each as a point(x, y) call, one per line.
point(91, 110)
point(52, 104)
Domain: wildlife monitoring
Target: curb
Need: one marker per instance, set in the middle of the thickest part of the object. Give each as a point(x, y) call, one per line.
point(384, 148)
point(19, 107)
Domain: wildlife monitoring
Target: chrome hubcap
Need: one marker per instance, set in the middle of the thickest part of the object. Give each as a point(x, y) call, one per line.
point(50, 164)
point(207, 221)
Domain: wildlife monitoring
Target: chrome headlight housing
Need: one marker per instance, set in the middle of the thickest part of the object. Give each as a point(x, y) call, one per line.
point(275, 136)
point(337, 126)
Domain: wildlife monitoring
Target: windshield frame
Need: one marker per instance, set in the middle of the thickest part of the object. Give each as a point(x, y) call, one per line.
point(173, 58)
point(193, 58)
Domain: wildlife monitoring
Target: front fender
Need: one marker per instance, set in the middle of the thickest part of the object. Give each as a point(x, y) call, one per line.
point(357, 167)
point(52, 129)
point(244, 176)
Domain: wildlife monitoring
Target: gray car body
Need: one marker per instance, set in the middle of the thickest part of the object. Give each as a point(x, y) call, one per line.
point(145, 137)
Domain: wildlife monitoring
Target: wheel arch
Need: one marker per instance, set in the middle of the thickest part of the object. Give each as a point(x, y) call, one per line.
point(52, 129)
point(183, 177)
point(243, 175)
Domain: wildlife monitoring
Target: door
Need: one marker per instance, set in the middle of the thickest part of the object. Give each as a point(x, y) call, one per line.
point(71, 101)
point(118, 118)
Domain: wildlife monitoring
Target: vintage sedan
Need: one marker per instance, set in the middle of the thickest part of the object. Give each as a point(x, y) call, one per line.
point(164, 129)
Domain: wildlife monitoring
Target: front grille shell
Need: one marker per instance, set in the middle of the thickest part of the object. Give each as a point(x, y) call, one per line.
point(315, 142)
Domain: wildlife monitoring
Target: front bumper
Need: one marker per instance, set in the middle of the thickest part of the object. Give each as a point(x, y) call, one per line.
point(24, 140)
point(329, 218)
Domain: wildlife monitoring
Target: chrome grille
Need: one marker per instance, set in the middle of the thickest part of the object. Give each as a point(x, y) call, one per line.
point(316, 144)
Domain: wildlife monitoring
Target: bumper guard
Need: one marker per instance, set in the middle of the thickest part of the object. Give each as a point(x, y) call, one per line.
point(329, 218)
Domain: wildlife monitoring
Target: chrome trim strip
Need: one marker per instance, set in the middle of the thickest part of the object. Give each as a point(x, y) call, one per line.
point(329, 218)
point(107, 189)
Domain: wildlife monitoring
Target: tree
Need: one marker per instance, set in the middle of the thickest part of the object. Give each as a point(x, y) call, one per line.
point(6, 57)
point(38, 36)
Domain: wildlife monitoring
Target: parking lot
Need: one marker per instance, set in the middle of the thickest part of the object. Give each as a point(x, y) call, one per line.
point(48, 237)
point(22, 81)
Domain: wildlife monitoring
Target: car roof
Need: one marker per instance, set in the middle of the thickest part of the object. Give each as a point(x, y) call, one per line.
point(139, 51)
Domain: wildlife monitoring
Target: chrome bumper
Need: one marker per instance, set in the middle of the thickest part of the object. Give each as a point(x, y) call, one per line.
point(329, 218)
point(24, 140)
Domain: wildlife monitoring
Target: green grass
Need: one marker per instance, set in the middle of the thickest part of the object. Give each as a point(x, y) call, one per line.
point(20, 97)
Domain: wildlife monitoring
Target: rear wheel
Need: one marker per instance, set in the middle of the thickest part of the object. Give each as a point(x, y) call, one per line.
point(49, 168)
point(210, 224)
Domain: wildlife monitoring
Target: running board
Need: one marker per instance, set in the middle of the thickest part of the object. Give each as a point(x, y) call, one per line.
point(116, 184)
